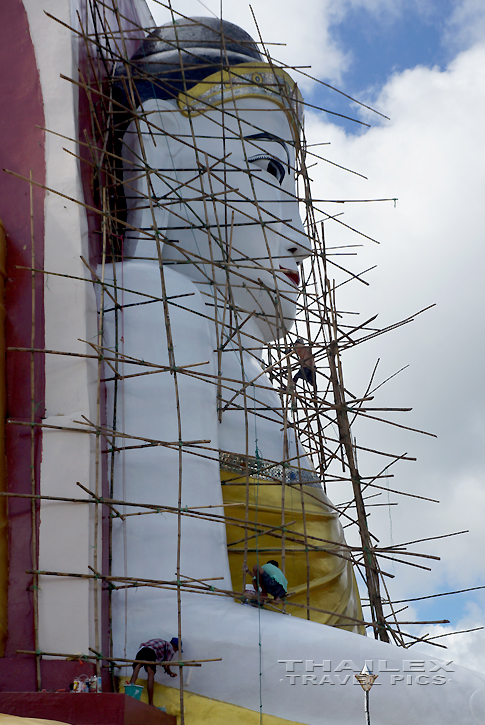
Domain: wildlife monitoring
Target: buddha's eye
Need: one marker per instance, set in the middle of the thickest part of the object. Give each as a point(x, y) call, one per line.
point(271, 165)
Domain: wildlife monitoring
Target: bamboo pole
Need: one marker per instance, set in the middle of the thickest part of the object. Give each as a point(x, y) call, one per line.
point(98, 658)
point(370, 563)
point(33, 407)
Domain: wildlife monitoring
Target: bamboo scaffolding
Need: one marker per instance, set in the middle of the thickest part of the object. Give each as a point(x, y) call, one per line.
point(161, 508)
point(194, 588)
point(98, 658)
point(211, 591)
point(307, 415)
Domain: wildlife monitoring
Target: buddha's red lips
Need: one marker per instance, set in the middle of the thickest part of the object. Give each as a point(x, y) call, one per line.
point(292, 275)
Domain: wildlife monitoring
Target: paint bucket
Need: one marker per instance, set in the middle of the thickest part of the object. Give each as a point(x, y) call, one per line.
point(133, 691)
point(81, 684)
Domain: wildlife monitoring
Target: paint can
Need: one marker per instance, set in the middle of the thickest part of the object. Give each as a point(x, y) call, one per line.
point(93, 684)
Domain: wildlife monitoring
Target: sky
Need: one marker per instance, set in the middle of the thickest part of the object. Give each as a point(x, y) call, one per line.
point(422, 64)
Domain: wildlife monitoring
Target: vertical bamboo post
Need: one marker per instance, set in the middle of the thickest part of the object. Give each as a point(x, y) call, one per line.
point(370, 559)
point(34, 518)
point(97, 485)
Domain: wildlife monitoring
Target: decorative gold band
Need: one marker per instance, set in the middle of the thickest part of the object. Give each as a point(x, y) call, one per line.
point(267, 470)
point(247, 80)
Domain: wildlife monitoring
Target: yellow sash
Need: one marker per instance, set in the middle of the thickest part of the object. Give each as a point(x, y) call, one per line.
point(318, 569)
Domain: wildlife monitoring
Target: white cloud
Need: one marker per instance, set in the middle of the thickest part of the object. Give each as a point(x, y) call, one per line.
point(466, 24)
point(431, 155)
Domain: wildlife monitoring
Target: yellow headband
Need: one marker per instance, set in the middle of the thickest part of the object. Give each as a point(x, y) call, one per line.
point(247, 80)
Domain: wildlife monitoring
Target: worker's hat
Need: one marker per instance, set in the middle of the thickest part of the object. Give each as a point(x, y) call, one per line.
point(175, 642)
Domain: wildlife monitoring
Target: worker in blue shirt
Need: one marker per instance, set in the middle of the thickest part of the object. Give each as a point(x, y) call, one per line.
point(271, 580)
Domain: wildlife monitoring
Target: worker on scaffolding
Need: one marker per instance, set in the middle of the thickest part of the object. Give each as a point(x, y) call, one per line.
point(307, 362)
point(156, 651)
point(270, 579)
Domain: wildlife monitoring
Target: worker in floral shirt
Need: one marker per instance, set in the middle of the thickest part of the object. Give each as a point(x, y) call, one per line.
point(156, 651)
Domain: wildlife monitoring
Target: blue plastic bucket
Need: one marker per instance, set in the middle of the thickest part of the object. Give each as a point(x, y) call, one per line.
point(134, 691)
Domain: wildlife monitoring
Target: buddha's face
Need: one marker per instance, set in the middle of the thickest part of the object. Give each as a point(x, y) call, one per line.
point(223, 188)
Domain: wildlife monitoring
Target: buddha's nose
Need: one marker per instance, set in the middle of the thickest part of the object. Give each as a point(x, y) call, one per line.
point(295, 238)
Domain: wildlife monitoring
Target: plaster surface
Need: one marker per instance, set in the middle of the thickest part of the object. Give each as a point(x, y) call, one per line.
point(70, 320)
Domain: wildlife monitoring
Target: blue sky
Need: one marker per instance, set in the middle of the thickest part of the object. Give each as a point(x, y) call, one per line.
point(391, 43)
point(382, 45)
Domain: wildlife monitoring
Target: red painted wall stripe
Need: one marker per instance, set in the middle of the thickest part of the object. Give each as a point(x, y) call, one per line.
point(21, 151)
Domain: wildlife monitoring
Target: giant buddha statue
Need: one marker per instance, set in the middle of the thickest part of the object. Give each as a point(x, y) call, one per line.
point(213, 223)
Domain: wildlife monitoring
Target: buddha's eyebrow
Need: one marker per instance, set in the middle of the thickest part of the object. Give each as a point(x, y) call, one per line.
point(269, 137)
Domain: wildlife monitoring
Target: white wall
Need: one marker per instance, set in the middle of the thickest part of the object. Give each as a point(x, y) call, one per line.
point(66, 538)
